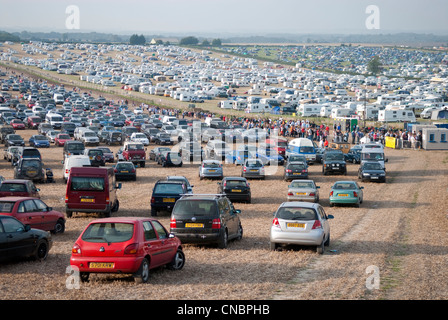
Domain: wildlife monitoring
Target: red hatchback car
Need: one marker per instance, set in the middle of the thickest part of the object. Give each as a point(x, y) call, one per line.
point(17, 124)
point(128, 245)
point(61, 138)
point(33, 212)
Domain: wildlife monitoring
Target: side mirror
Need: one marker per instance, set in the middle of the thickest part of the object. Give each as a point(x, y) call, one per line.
point(49, 209)
point(317, 187)
point(330, 216)
point(27, 227)
point(387, 160)
point(118, 186)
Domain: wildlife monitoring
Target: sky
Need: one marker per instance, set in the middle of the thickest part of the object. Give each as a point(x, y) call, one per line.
point(233, 17)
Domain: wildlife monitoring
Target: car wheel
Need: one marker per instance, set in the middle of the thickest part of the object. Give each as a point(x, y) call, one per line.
point(116, 206)
point(240, 232)
point(327, 243)
point(41, 251)
point(178, 261)
point(153, 212)
point(354, 161)
point(84, 276)
point(59, 227)
point(69, 213)
point(321, 248)
point(223, 240)
point(142, 275)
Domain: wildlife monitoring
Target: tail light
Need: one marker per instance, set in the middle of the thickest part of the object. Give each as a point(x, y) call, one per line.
point(290, 193)
point(275, 223)
point(173, 224)
point(133, 170)
point(115, 170)
point(216, 223)
point(131, 249)
point(355, 194)
point(288, 170)
point(304, 171)
point(153, 200)
point(312, 194)
point(331, 193)
point(76, 249)
point(66, 199)
point(317, 225)
point(244, 169)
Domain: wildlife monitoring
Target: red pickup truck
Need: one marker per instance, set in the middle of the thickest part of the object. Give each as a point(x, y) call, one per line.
point(134, 152)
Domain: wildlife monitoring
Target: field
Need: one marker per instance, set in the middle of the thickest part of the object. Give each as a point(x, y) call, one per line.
point(400, 229)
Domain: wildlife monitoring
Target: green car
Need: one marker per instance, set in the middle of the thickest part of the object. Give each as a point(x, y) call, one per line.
point(346, 192)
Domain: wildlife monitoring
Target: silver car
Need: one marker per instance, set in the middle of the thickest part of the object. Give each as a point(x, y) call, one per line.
point(211, 169)
point(253, 168)
point(300, 223)
point(303, 190)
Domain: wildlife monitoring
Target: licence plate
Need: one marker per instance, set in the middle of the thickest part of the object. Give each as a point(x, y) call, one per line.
point(236, 190)
point(253, 170)
point(194, 225)
point(169, 200)
point(296, 173)
point(101, 265)
point(87, 200)
point(32, 172)
point(124, 171)
point(211, 170)
point(300, 194)
point(342, 195)
point(373, 177)
point(295, 225)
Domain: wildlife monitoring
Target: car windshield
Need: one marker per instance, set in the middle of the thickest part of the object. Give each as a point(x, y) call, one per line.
point(168, 188)
point(334, 156)
point(346, 186)
point(63, 136)
point(306, 149)
point(90, 134)
point(195, 207)
point(372, 166)
point(13, 187)
point(135, 147)
point(302, 185)
point(373, 156)
point(75, 146)
point(87, 184)
point(296, 213)
point(108, 232)
point(14, 137)
point(40, 138)
point(6, 206)
point(297, 166)
point(106, 150)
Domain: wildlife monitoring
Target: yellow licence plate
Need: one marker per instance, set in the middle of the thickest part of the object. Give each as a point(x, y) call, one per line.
point(295, 225)
point(253, 170)
point(301, 194)
point(87, 200)
point(236, 190)
point(194, 225)
point(124, 171)
point(211, 170)
point(101, 265)
point(31, 172)
point(169, 200)
point(342, 195)
point(296, 173)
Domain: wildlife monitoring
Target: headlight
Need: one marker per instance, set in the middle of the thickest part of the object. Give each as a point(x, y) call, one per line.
point(366, 174)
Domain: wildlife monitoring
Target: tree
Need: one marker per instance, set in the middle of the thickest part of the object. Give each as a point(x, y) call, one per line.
point(205, 43)
point(216, 43)
point(189, 41)
point(374, 65)
point(137, 40)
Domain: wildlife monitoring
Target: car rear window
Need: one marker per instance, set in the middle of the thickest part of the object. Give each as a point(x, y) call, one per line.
point(13, 187)
point(297, 166)
point(6, 207)
point(300, 184)
point(347, 185)
point(235, 183)
point(108, 232)
point(168, 188)
point(195, 208)
point(211, 165)
point(87, 184)
point(296, 214)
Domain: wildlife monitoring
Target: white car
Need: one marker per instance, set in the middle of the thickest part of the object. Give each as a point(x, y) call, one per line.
point(300, 223)
point(139, 137)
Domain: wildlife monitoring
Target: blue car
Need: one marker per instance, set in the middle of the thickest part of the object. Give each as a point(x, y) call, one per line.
point(39, 141)
point(269, 156)
point(238, 157)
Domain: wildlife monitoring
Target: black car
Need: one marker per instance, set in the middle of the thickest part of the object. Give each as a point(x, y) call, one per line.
point(371, 171)
point(30, 168)
point(319, 154)
point(236, 189)
point(125, 170)
point(4, 131)
point(295, 170)
point(96, 157)
point(163, 138)
point(170, 159)
point(113, 137)
point(333, 161)
point(352, 156)
point(206, 219)
point(165, 194)
point(14, 140)
point(21, 241)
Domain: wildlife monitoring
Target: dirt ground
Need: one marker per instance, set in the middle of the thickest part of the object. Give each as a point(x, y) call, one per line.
point(393, 247)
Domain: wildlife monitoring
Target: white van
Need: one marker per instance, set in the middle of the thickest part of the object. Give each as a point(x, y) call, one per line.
point(58, 98)
point(54, 119)
point(373, 152)
point(74, 161)
point(168, 119)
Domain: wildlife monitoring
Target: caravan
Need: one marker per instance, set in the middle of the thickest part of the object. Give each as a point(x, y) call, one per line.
point(396, 115)
point(373, 152)
point(302, 146)
point(309, 110)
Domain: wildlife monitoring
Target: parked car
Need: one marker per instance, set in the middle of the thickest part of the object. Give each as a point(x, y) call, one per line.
point(346, 192)
point(253, 168)
point(96, 157)
point(15, 240)
point(17, 124)
point(300, 223)
point(371, 171)
point(114, 137)
point(11, 153)
point(134, 152)
point(33, 122)
point(155, 153)
point(125, 170)
point(33, 212)
point(30, 168)
point(211, 169)
point(139, 137)
point(333, 161)
point(163, 138)
point(74, 161)
point(61, 138)
point(217, 149)
point(236, 189)
point(107, 153)
point(182, 179)
point(91, 190)
point(303, 190)
point(126, 245)
point(14, 140)
point(270, 156)
point(353, 155)
point(39, 141)
point(206, 219)
point(165, 194)
point(73, 148)
point(18, 188)
point(170, 159)
point(295, 170)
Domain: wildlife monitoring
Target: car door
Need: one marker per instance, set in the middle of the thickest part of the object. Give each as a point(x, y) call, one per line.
point(32, 190)
point(324, 220)
point(152, 244)
point(27, 214)
point(229, 217)
point(48, 220)
point(19, 241)
point(168, 245)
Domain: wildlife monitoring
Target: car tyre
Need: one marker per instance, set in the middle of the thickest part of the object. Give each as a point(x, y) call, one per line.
point(240, 232)
point(59, 227)
point(178, 261)
point(84, 276)
point(223, 240)
point(153, 212)
point(320, 249)
point(142, 275)
point(41, 251)
point(274, 246)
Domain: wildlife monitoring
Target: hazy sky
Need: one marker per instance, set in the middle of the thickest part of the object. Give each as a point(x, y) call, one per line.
point(226, 16)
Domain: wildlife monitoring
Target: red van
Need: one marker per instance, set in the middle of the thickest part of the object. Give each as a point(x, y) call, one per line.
point(91, 189)
point(278, 144)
